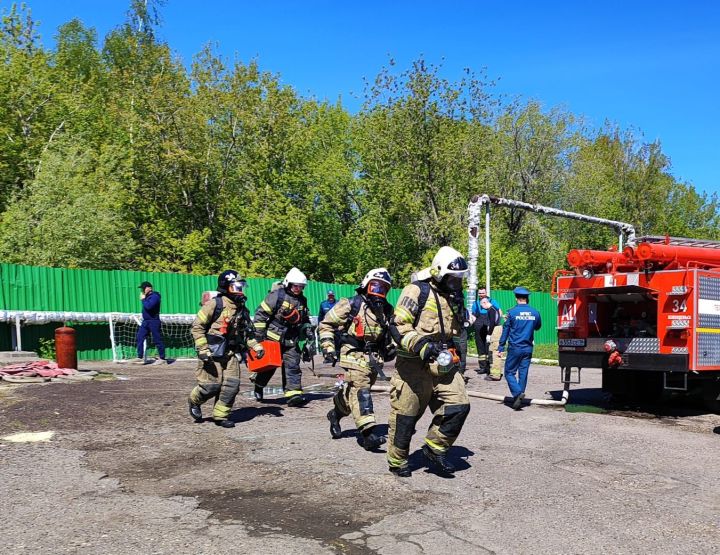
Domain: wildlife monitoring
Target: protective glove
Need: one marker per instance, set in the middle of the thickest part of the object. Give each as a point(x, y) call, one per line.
point(428, 350)
point(204, 355)
point(330, 357)
point(259, 351)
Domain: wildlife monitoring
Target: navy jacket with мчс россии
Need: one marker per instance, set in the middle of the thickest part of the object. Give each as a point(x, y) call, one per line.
point(522, 321)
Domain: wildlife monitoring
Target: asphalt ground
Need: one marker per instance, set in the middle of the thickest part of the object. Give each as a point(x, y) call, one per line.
point(127, 471)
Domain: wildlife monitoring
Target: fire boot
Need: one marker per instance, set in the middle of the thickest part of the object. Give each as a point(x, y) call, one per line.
point(402, 471)
point(438, 459)
point(370, 440)
point(297, 401)
point(195, 411)
point(258, 392)
point(225, 423)
point(334, 418)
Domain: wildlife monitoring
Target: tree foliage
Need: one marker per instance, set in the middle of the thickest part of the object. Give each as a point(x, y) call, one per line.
point(117, 155)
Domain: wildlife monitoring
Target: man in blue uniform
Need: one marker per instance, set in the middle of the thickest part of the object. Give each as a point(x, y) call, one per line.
point(521, 323)
point(150, 324)
point(326, 305)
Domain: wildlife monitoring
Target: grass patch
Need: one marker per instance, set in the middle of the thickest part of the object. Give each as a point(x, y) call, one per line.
point(547, 350)
point(105, 377)
point(592, 409)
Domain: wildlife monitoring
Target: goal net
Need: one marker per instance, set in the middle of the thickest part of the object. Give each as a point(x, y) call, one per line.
point(175, 331)
point(122, 331)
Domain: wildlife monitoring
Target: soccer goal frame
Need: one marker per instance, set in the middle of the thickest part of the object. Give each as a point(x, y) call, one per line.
point(122, 329)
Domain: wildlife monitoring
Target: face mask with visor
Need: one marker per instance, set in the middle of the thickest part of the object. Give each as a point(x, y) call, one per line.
point(378, 288)
point(236, 288)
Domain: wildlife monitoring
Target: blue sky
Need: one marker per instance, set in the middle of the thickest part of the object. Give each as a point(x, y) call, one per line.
point(650, 66)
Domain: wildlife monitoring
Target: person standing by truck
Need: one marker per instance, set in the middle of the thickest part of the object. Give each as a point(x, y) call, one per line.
point(518, 332)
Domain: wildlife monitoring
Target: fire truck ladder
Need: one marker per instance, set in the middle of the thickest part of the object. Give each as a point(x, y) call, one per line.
point(679, 241)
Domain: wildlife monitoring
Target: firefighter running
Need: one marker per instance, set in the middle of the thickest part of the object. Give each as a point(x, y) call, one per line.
point(223, 332)
point(360, 326)
point(428, 317)
point(283, 317)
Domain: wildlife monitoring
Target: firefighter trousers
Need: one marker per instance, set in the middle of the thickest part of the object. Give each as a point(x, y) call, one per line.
point(413, 389)
point(354, 397)
point(497, 365)
point(483, 348)
point(219, 379)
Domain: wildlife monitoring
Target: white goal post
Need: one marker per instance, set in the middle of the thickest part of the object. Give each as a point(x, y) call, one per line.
point(122, 329)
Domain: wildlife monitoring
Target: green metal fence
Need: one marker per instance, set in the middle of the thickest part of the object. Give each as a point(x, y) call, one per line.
point(71, 290)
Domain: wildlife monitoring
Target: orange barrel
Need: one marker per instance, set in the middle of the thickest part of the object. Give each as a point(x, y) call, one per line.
point(271, 360)
point(65, 350)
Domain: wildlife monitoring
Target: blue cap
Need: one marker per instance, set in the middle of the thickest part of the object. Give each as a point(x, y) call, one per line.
point(521, 292)
point(331, 292)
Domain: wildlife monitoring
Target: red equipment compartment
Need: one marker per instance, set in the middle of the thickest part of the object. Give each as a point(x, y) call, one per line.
point(271, 360)
point(649, 313)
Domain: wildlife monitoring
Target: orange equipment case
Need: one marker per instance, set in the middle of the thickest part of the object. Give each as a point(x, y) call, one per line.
point(271, 360)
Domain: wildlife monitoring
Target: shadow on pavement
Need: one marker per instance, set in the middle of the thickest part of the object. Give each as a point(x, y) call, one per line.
point(245, 414)
point(457, 455)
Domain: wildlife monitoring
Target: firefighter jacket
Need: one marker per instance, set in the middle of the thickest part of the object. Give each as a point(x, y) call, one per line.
point(361, 331)
point(233, 324)
point(281, 316)
point(417, 325)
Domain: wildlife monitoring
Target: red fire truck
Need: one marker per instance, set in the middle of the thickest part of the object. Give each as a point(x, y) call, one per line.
point(648, 315)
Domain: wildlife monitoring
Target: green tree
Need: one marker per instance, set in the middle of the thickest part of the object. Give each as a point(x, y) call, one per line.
point(423, 146)
point(72, 214)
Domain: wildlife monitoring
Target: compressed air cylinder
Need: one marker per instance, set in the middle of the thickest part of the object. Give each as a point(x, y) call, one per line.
point(65, 348)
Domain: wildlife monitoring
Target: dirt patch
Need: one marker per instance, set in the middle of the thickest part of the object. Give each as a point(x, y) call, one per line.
point(277, 479)
point(267, 498)
point(269, 512)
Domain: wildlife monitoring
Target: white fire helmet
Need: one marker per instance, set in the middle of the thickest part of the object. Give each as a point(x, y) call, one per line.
point(448, 262)
point(294, 276)
point(376, 283)
point(380, 274)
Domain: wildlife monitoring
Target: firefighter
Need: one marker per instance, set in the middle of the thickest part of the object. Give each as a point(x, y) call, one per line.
point(284, 317)
point(223, 332)
point(428, 317)
point(360, 327)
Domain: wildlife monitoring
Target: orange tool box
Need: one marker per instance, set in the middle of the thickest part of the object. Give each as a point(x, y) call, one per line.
point(271, 360)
